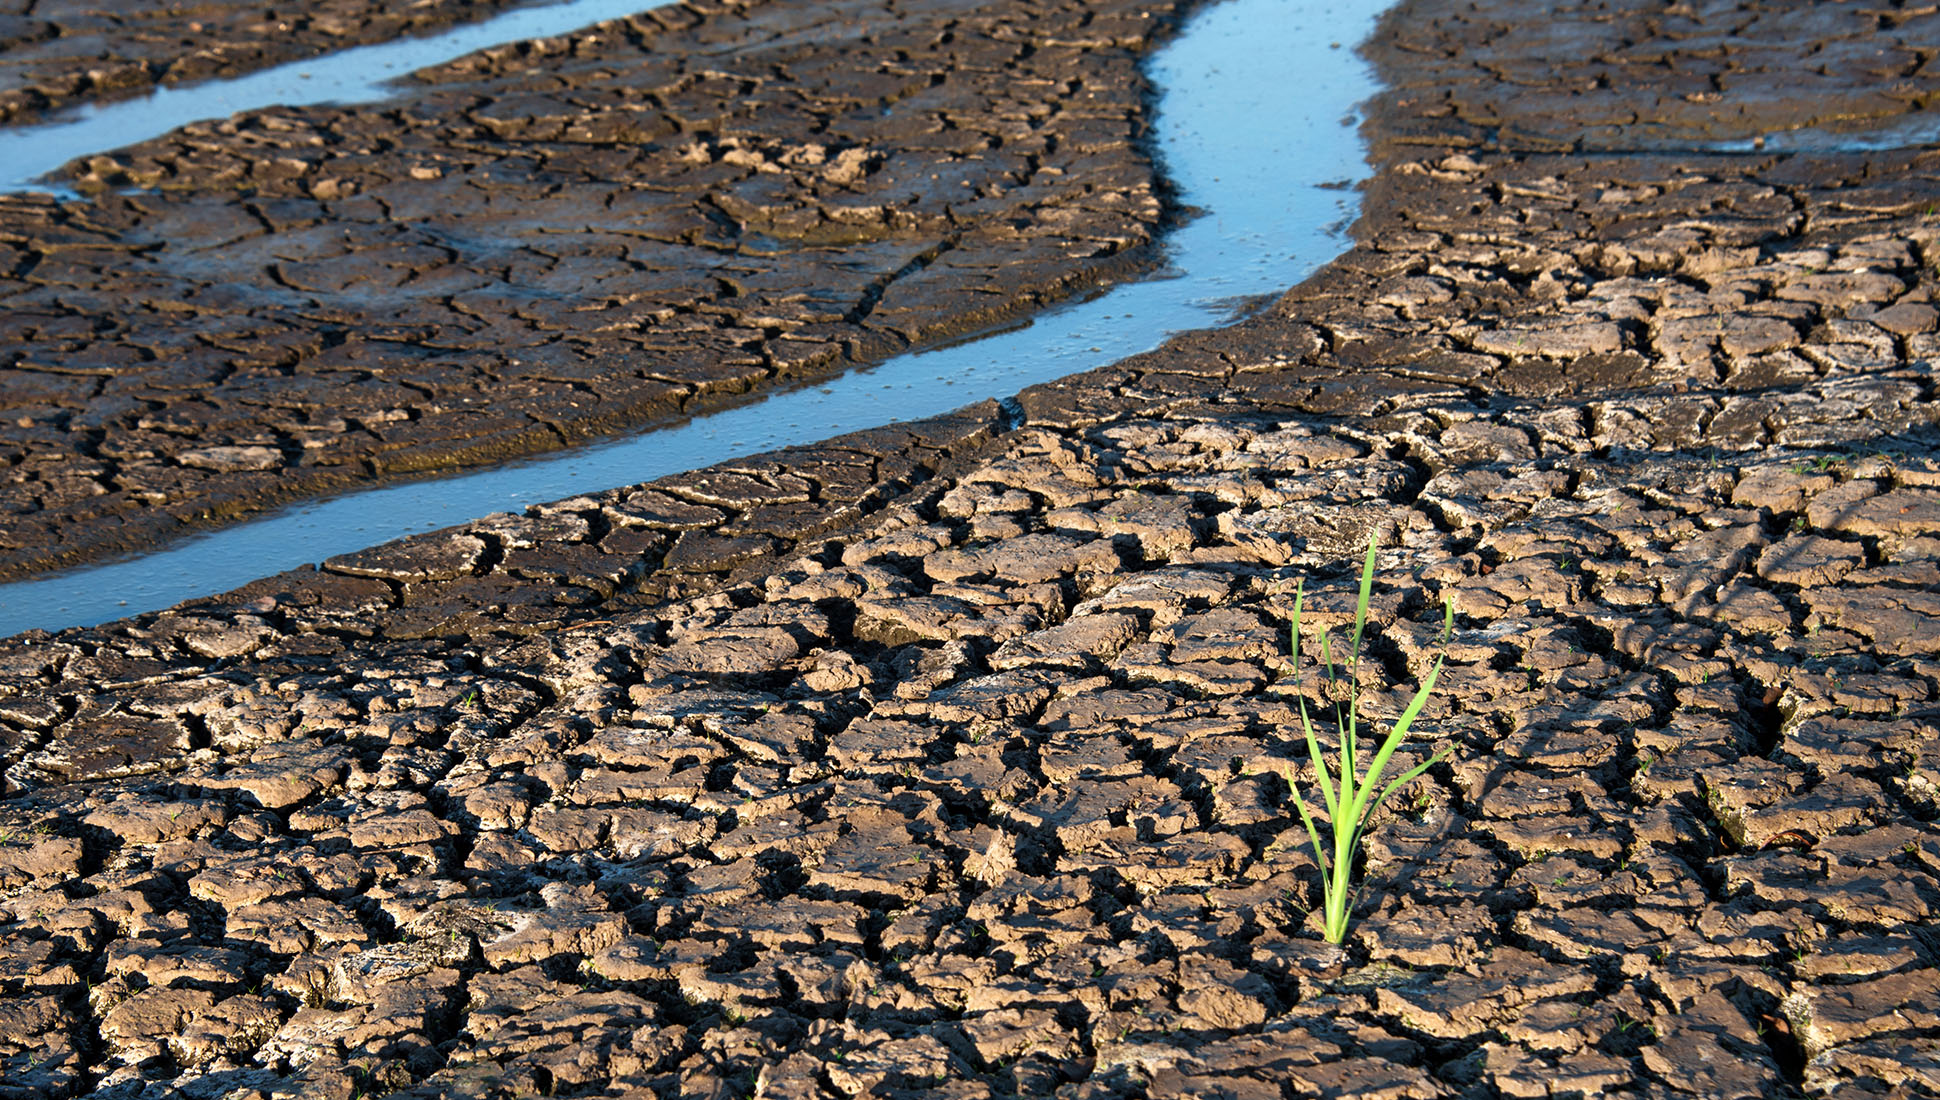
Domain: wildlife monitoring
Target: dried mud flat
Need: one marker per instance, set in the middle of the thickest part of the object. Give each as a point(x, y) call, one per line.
point(948, 759)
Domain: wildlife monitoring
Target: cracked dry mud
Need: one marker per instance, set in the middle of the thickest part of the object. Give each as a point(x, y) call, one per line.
point(948, 759)
point(545, 241)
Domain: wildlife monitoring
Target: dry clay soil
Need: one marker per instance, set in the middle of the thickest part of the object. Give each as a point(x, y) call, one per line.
point(953, 759)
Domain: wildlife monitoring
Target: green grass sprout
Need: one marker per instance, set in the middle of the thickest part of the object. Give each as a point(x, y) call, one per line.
point(1351, 801)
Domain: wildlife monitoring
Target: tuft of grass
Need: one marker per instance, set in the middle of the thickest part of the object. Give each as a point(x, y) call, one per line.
point(1350, 800)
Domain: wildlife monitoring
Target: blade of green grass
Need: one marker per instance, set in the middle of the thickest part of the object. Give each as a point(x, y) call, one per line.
point(1352, 798)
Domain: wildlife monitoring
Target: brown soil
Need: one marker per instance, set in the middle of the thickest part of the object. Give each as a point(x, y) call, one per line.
point(951, 759)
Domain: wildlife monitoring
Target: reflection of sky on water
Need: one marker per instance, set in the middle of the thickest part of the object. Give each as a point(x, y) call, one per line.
point(1907, 131)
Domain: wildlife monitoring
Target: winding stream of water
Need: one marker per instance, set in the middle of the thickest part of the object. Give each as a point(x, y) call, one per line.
point(1273, 176)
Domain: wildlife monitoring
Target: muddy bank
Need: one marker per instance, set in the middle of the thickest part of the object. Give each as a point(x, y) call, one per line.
point(70, 51)
point(952, 758)
point(307, 299)
point(1630, 78)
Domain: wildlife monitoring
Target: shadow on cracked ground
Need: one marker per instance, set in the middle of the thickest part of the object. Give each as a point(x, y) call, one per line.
point(948, 760)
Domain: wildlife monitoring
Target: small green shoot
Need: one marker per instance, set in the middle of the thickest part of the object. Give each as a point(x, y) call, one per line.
point(1352, 801)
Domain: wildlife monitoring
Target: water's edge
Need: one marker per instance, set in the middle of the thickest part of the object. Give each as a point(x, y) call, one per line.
point(361, 74)
point(1275, 184)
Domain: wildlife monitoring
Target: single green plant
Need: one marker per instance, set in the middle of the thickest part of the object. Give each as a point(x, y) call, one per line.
point(1352, 801)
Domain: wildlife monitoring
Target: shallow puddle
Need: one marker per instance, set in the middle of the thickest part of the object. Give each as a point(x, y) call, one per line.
point(1907, 131)
point(1273, 180)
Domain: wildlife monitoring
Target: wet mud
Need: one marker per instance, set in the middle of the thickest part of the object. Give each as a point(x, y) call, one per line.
point(952, 759)
point(544, 242)
point(59, 53)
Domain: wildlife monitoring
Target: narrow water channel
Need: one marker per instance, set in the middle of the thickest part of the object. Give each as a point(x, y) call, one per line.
point(359, 75)
point(1271, 173)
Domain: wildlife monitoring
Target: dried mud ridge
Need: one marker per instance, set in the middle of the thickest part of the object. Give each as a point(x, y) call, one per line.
point(948, 760)
point(543, 242)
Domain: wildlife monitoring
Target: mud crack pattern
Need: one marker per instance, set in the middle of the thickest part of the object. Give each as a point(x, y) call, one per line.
point(951, 759)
